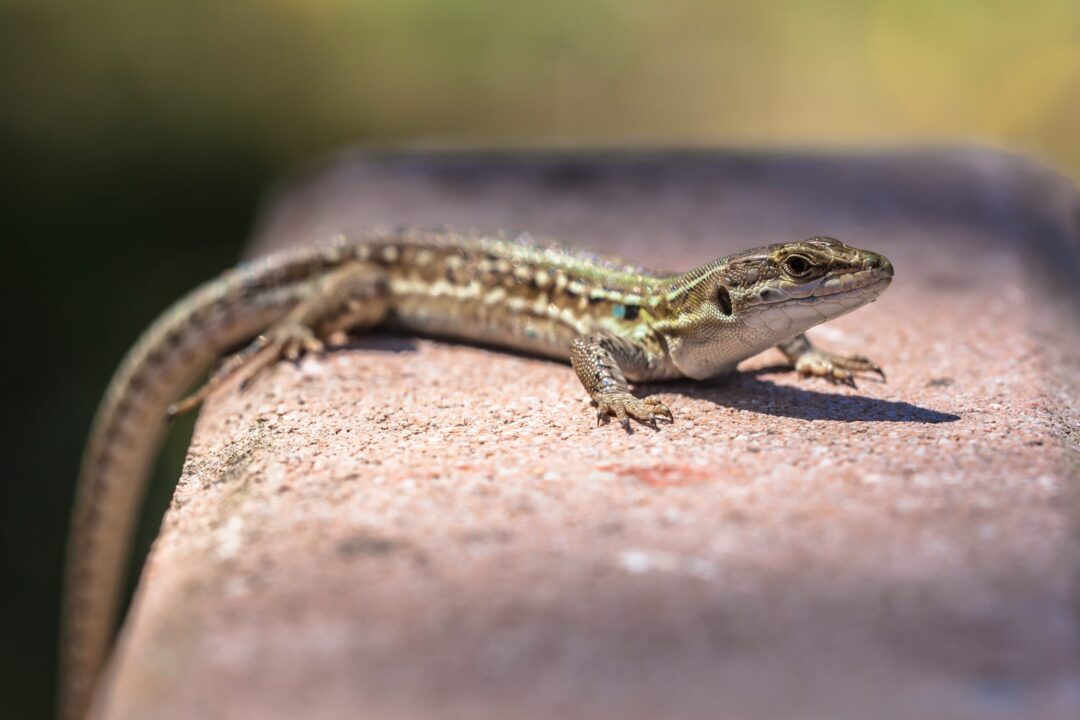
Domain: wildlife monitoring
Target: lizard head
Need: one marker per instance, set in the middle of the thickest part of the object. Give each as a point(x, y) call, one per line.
point(739, 306)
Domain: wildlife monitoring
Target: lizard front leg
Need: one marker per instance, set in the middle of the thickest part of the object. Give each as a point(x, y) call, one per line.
point(350, 297)
point(598, 361)
point(809, 360)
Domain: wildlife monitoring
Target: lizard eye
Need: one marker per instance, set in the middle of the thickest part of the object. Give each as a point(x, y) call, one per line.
point(797, 266)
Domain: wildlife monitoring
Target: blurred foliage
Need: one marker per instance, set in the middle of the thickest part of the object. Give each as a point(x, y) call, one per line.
point(284, 78)
point(137, 136)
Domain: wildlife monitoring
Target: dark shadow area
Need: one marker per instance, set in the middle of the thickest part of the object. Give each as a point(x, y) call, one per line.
point(378, 342)
point(750, 392)
point(747, 391)
point(98, 248)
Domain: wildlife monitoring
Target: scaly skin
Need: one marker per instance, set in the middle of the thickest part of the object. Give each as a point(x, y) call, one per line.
point(614, 321)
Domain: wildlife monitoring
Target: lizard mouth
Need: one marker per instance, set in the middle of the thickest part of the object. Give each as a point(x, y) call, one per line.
point(832, 288)
point(782, 311)
point(851, 282)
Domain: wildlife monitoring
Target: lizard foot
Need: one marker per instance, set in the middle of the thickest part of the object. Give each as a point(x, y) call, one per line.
point(288, 340)
point(624, 406)
point(840, 369)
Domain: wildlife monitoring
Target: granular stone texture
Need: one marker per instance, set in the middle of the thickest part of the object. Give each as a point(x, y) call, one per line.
point(415, 529)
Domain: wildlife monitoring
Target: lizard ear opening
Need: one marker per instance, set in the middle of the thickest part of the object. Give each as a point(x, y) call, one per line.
point(723, 299)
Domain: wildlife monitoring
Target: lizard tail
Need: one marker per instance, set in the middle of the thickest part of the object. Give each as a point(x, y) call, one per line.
point(123, 443)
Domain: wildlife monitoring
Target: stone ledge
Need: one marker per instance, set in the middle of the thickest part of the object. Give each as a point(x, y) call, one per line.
point(406, 528)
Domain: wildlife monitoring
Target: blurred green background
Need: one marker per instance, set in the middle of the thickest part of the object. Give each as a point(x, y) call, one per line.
point(137, 138)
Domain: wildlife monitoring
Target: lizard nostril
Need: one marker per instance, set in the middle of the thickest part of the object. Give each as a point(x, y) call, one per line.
point(884, 266)
point(874, 261)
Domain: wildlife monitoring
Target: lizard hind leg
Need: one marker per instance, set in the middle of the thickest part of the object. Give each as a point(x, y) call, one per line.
point(352, 297)
point(285, 340)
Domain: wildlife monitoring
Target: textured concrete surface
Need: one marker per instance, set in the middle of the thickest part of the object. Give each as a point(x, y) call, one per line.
point(409, 528)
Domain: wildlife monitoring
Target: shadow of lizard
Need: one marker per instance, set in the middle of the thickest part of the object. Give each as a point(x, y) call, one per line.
point(750, 392)
point(741, 390)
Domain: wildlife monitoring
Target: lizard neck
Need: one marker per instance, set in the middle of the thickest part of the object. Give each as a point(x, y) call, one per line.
point(703, 333)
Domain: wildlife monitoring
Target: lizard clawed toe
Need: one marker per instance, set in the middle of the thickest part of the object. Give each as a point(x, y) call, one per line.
point(299, 340)
point(837, 369)
point(658, 407)
point(624, 407)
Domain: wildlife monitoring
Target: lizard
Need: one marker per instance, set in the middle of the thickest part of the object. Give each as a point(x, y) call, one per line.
point(614, 321)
